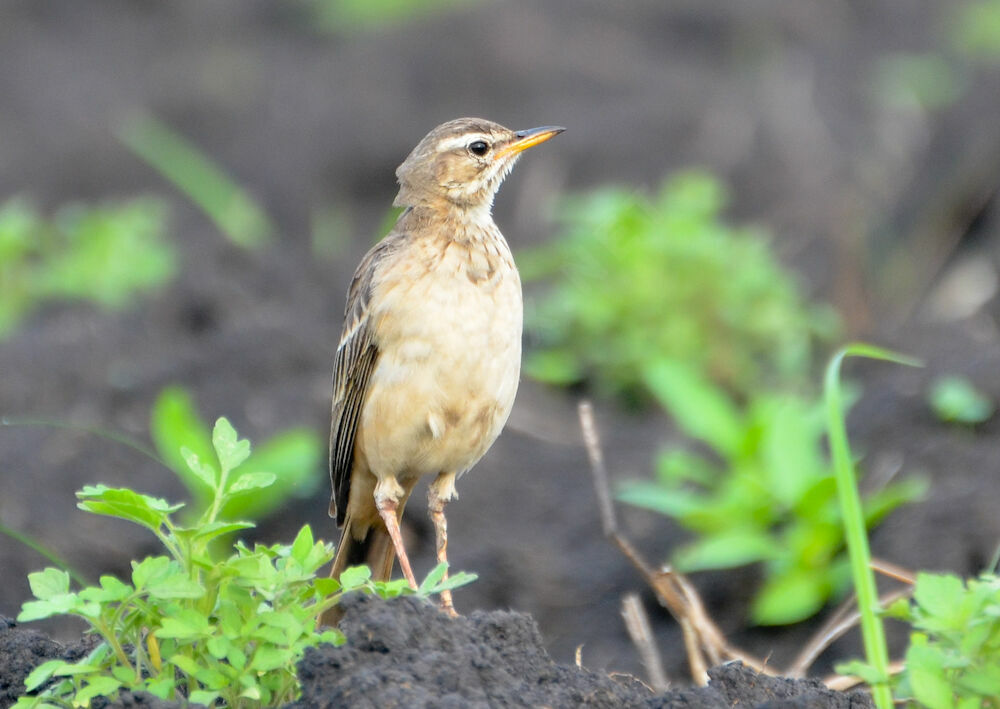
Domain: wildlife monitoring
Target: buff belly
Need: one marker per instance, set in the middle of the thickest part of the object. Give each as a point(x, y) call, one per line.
point(438, 401)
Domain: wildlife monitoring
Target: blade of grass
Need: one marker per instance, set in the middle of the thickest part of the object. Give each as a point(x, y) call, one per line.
point(872, 632)
point(37, 546)
point(193, 173)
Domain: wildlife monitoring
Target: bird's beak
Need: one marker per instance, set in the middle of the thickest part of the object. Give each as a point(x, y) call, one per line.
point(524, 139)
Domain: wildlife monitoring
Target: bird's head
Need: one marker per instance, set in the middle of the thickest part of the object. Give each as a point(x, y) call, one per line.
point(463, 162)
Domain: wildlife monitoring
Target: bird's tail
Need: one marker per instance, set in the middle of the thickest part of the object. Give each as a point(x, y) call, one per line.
point(374, 550)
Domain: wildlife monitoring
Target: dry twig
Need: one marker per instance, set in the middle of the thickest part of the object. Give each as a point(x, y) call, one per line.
point(637, 625)
point(706, 645)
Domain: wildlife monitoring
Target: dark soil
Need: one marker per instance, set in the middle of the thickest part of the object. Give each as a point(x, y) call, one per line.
point(778, 98)
point(405, 653)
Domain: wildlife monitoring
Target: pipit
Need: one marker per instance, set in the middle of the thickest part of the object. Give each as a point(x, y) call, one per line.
point(430, 355)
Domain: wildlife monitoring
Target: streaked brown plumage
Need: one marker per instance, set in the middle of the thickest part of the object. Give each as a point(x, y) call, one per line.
point(429, 358)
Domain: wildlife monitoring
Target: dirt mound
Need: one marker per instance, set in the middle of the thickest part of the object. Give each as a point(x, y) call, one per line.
point(405, 653)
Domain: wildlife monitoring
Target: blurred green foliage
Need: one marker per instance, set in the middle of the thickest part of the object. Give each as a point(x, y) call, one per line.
point(228, 205)
point(764, 492)
point(969, 34)
point(292, 456)
point(956, 399)
point(659, 299)
point(975, 29)
point(349, 15)
point(106, 254)
point(929, 80)
point(638, 280)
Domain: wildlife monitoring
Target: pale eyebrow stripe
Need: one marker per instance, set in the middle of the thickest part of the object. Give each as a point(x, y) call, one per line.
point(463, 140)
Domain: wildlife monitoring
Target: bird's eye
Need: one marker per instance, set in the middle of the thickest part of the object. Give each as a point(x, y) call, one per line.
point(479, 148)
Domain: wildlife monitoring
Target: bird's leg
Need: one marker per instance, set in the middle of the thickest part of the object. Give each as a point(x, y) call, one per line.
point(438, 494)
point(387, 503)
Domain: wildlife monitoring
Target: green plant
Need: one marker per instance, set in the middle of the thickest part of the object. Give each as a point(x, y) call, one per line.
point(292, 456)
point(765, 494)
point(228, 205)
point(641, 280)
point(956, 400)
point(975, 29)
point(106, 254)
point(953, 660)
point(352, 15)
point(188, 628)
point(953, 657)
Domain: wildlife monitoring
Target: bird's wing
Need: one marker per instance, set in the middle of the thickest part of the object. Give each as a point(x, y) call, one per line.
point(353, 365)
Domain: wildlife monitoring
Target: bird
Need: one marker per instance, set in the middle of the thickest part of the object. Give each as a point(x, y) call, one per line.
point(429, 357)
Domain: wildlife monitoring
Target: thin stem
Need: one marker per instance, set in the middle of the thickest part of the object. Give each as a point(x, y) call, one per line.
point(112, 641)
point(872, 631)
point(31, 543)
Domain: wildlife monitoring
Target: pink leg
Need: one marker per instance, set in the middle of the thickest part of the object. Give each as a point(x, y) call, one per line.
point(440, 491)
point(387, 510)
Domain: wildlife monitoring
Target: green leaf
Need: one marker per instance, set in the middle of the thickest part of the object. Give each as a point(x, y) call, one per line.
point(230, 449)
point(96, 687)
point(176, 426)
point(553, 366)
point(36, 610)
point(302, 545)
point(860, 669)
point(726, 549)
point(185, 664)
point(790, 448)
point(149, 512)
point(162, 687)
point(208, 475)
point(186, 624)
point(111, 589)
point(211, 530)
point(433, 578)
point(984, 681)
point(925, 672)
point(699, 407)
point(355, 577)
point(49, 583)
point(41, 674)
point(71, 669)
point(269, 658)
point(150, 570)
point(249, 482)
point(790, 597)
point(939, 595)
point(956, 399)
point(294, 457)
point(459, 578)
point(205, 697)
point(218, 646)
point(673, 502)
point(175, 585)
point(880, 503)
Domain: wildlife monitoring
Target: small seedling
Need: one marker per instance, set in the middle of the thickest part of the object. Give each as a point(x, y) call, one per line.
point(186, 628)
point(955, 400)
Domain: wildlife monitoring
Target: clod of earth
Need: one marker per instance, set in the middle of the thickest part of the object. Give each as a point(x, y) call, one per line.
point(406, 653)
